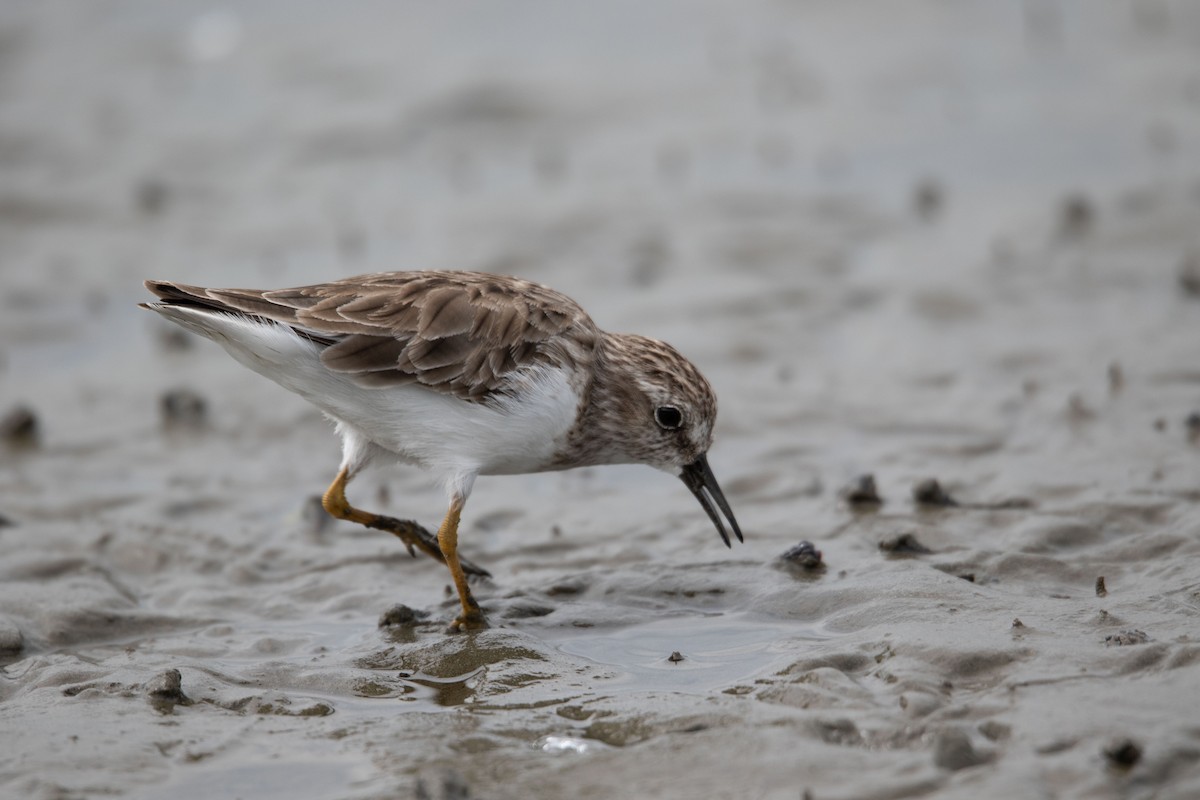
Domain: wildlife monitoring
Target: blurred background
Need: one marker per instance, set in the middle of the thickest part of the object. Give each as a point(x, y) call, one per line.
point(810, 161)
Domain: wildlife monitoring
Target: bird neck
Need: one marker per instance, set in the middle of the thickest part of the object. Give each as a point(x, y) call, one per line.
point(608, 401)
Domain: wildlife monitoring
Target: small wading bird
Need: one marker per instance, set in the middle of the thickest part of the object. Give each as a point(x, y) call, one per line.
point(464, 374)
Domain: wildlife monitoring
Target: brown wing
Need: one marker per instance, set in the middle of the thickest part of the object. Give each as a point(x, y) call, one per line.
point(462, 333)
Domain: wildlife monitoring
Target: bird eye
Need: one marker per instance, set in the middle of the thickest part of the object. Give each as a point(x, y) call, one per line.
point(668, 417)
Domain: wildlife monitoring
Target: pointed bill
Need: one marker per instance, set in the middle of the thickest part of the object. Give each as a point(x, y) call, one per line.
point(699, 478)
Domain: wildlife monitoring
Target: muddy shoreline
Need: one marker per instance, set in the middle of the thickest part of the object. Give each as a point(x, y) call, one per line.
point(907, 241)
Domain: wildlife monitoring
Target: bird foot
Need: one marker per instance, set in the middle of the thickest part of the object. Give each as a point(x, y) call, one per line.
point(474, 621)
point(416, 537)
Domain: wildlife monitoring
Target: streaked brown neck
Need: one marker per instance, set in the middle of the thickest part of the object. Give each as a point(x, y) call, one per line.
point(610, 399)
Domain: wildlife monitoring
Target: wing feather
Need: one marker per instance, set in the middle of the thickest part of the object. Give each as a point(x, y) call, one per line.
point(461, 333)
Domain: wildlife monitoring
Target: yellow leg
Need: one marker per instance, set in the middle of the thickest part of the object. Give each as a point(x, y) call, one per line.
point(413, 535)
point(337, 505)
point(471, 616)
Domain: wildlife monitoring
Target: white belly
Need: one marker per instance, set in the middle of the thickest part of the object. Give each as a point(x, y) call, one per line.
point(448, 436)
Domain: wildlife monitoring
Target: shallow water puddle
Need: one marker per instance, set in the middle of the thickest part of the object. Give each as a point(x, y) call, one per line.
point(692, 654)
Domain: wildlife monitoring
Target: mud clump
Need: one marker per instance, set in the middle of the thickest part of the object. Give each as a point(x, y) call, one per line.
point(804, 556)
point(166, 691)
point(1192, 425)
point(19, 428)
point(1123, 753)
point(930, 493)
point(903, 544)
point(400, 615)
point(953, 751)
point(862, 493)
point(1128, 637)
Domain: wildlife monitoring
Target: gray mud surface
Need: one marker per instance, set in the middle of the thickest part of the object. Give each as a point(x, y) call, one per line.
point(908, 239)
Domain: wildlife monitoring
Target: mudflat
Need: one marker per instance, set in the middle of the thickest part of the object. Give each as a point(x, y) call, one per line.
point(909, 242)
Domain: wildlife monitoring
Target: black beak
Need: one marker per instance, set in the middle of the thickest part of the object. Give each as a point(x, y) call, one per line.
point(700, 479)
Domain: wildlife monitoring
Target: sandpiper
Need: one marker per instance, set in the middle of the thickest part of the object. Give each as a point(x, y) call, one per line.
point(464, 374)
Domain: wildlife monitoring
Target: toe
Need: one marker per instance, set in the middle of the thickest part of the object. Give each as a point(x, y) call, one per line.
point(463, 623)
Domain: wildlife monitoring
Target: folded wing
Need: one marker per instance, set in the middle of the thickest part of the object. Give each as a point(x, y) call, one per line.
point(462, 333)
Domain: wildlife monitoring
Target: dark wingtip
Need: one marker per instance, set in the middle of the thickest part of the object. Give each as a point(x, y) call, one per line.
point(163, 289)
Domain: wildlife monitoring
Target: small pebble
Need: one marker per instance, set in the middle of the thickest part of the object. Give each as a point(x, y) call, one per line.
point(183, 408)
point(527, 609)
point(902, 544)
point(930, 493)
point(19, 427)
point(169, 684)
point(1126, 638)
point(166, 691)
point(1123, 753)
point(567, 587)
point(398, 614)
point(1016, 623)
point(1101, 589)
point(862, 492)
point(1007, 503)
point(803, 555)
point(675, 657)
point(952, 750)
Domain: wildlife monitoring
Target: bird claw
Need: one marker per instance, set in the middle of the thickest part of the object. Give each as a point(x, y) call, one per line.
point(463, 623)
point(416, 537)
point(473, 569)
